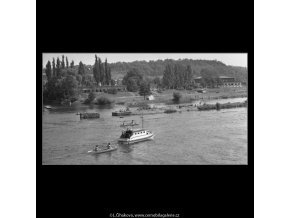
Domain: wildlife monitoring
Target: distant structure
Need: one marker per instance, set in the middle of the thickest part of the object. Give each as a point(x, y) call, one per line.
point(224, 80)
point(118, 82)
point(229, 82)
point(150, 97)
point(104, 88)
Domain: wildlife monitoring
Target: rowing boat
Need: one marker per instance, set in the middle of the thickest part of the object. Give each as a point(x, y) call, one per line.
point(103, 150)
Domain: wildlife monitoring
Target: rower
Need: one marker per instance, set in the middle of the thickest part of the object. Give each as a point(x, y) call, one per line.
point(109, 145)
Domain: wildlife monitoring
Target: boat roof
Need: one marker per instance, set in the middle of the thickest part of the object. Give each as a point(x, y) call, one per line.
point(137, 130)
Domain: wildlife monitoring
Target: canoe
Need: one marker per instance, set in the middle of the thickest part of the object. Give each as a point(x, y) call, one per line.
point(103, 150)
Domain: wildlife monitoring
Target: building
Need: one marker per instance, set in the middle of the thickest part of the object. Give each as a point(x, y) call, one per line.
point(228, 82)
point(104, 88)
point(150, 97)
point(224, 81)
point(197, 80)
point(118, 82)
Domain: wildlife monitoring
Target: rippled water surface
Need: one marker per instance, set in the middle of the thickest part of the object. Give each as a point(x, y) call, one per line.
point(206, 137)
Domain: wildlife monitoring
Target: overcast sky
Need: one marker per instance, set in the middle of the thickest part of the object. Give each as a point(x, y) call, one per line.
point(235, 59)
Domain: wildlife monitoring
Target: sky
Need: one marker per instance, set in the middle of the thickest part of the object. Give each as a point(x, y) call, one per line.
point(234, 59)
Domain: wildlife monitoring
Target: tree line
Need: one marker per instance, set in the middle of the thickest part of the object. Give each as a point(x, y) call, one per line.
point(177, 76)
point(63, 79)
point(54, 69)
point(157, 68)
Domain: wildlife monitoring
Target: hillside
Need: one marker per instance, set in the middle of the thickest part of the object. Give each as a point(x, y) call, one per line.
point(156, 68)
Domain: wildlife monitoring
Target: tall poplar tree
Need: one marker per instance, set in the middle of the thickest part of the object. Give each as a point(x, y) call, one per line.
point(48, 71)
point(101, 70)
point(81, 69)
point(107, 79)
point(57, 67)
point(96, 71)
point(66, 62)
point(62, 62)
point(53, 68)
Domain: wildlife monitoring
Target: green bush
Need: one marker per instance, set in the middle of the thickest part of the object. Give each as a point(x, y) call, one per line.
point(218, 106)
point(103, 101)
point(113, 91)
point(168, 111)
point(90, 98)
point(176, 96)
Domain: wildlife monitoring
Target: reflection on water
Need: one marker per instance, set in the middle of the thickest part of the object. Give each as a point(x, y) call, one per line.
point(207, 137)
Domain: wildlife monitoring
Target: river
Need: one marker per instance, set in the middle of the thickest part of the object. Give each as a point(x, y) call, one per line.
point(194, 137)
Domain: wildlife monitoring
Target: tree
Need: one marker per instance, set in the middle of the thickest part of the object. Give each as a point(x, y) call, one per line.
point(57, 67)
point(48, 70)
point(91, 98)
point(132, 85)
point(209, 78)
point(101, 71)
point(62, 62)
point(168, 77)
point(107, 73)
point(96, 71)
point(113, 82)
point(66, 62)
point(53, 68)
point(144, 89)
point(81, 69)
point(157, 81)
point(69, 87)
point(53, 90)
point(72, 64)
point(176, 96)
point(188, 76)
point(79, 78)
point(133, 74)
point(109, 77)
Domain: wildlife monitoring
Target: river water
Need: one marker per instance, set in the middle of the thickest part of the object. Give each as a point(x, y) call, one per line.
point(190, 137)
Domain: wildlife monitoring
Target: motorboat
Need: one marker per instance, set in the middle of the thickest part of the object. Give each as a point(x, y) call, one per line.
point(131, 135)
point(135, 135)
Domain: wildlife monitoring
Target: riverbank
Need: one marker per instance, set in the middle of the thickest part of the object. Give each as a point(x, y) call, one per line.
point(188, 96)
point(163, 101)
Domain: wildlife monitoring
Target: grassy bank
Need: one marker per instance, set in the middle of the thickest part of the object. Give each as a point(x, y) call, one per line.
point(132, 99)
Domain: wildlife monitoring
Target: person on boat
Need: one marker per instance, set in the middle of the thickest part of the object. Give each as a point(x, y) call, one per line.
point(96, 148)
point(109, 145)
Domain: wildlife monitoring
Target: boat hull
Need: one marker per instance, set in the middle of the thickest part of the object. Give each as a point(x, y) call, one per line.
point(121, 113)
point(131, 141)
point(103, 151)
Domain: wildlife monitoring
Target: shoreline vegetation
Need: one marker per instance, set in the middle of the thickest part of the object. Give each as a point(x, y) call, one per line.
point(189, 100)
